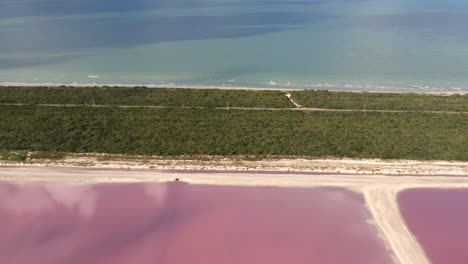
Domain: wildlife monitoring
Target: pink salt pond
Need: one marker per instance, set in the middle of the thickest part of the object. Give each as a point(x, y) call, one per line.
point(178, 223)
point(439, 220)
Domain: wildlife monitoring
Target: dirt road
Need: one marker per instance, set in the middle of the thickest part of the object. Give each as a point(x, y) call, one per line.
point(298, 108)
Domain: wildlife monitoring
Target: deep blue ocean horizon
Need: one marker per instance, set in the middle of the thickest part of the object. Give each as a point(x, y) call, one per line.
point(358, 45)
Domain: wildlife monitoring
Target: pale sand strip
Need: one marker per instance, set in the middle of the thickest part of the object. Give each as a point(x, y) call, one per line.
point(242, 163)
point(382, 202)
point(379, 191)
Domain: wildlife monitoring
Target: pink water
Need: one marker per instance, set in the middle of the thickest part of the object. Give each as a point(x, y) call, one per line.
point(178, 223)
point(439, 220)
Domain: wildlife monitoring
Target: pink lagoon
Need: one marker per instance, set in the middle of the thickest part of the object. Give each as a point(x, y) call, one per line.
point(439, 220)
point(179, 223)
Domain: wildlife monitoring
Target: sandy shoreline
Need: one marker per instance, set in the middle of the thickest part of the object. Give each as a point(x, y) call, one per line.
point(335, 88)
point(279, 164)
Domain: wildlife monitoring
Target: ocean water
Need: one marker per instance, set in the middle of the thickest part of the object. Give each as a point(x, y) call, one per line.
point(371, 45)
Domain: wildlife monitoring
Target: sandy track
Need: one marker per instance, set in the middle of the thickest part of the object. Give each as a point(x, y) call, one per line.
point(383, 205)
point(298, 108)
point(380, 192)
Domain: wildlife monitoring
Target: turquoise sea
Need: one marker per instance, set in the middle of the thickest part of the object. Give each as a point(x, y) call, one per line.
point(371, 45)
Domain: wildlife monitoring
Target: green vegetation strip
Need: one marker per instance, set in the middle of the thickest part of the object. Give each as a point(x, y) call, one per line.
point(381, 101)
point(141, 96)
point(178, 131)
point(13, 156)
